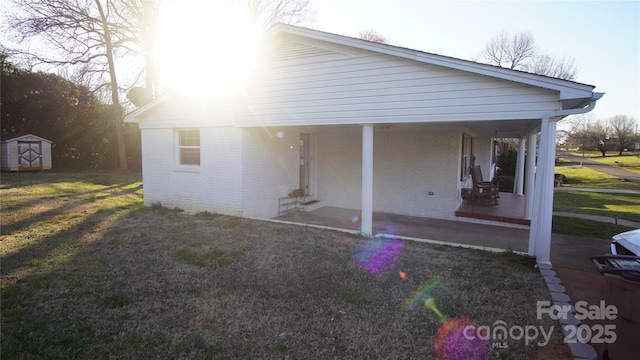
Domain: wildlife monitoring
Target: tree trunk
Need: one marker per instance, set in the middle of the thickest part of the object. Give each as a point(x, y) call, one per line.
point(116, 112)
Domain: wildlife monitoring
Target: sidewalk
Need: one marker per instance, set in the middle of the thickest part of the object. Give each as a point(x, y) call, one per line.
point(609, 191)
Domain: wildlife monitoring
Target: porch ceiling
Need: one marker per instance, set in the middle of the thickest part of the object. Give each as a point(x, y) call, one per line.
point(504, 128)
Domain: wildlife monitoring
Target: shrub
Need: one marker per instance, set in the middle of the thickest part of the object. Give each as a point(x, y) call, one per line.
point(507, 162)
point(505, 182)
point(560, 178)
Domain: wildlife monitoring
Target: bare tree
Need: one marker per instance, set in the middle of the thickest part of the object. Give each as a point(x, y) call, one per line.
point(587, 132)
point(582, 131)
point(600, 134)
point(89, 39)
point(562, 68)
point(265, 13)
point(622, 128)
point(508, 51)
point(518, 52)
point(372, 35)
point(103, 42)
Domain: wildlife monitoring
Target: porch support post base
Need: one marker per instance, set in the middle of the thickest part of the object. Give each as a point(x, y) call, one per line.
point(366, 218)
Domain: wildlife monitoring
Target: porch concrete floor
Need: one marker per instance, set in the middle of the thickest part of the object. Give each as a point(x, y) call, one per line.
point(566, 251)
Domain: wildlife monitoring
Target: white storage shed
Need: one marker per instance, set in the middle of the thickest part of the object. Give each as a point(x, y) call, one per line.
point(25, 152)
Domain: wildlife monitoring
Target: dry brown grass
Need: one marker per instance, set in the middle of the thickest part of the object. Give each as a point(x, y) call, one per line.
point(88, 273)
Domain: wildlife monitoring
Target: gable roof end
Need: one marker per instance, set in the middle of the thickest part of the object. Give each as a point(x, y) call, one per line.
point(570, 91)
point(17, 137)
point(572, 95)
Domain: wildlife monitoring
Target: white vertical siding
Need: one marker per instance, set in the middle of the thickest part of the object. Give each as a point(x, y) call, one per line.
point(10, 156)
point(46, 156)
point(215, 185)
point(269, 168)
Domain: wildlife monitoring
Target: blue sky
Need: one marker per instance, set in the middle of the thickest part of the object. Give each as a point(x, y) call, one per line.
point(602, 36)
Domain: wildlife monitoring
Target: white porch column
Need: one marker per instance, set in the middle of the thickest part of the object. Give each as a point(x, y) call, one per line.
point(519, 180)
point(540, 232)
point(366, 218)
point(530, 175)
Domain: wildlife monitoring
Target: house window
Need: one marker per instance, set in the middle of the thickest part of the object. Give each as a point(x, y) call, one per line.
point(467, 157)
point(189, 146)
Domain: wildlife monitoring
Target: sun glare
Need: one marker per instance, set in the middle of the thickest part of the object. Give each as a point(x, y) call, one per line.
point(205, 47)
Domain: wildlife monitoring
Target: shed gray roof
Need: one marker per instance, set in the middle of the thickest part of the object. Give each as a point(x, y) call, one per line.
point(16, 136)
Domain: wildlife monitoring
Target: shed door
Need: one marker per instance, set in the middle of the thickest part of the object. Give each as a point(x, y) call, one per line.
point(29, 155)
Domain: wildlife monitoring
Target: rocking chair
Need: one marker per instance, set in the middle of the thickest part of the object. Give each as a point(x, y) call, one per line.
point(483, 190)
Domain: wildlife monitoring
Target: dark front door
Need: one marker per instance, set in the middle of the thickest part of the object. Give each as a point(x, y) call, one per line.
point(305, 163)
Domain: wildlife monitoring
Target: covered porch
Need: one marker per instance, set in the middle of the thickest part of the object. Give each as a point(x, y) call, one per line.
point(450, 232)
point(566, 251)
point(509, 210)
point(501, 226)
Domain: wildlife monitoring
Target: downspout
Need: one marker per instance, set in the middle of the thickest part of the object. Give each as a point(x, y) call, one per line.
point(540, 230)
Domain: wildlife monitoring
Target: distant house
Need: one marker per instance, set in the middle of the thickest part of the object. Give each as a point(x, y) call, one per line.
point(25, 152)
point(354, 124)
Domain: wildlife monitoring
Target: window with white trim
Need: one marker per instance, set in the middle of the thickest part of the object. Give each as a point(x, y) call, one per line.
point(189, 146)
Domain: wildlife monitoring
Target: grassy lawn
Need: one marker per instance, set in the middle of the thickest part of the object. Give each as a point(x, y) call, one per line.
point(622, 206)
point(88, 272)
point(630, 161)
point(587, 228)
point(583, 177)
point(612, 205)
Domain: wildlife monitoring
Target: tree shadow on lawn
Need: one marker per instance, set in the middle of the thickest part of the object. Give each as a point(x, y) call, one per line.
point(130, 289)
point(597, 203)
point(51, 190)
point(106, 178)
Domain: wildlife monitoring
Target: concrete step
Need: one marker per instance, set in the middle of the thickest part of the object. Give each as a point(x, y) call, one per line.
point(310, 205)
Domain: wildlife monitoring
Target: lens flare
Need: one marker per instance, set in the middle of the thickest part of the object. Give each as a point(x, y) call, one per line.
point(421, 294)
point(376, 255)
point(453, 344)
point(355, 219)
point(430, 303)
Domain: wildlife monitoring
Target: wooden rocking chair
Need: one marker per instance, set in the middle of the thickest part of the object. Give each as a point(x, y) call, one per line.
point(483, 190)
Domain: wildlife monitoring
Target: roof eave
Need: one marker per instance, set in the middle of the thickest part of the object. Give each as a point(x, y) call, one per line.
point(134, 117)
point(20, 136)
